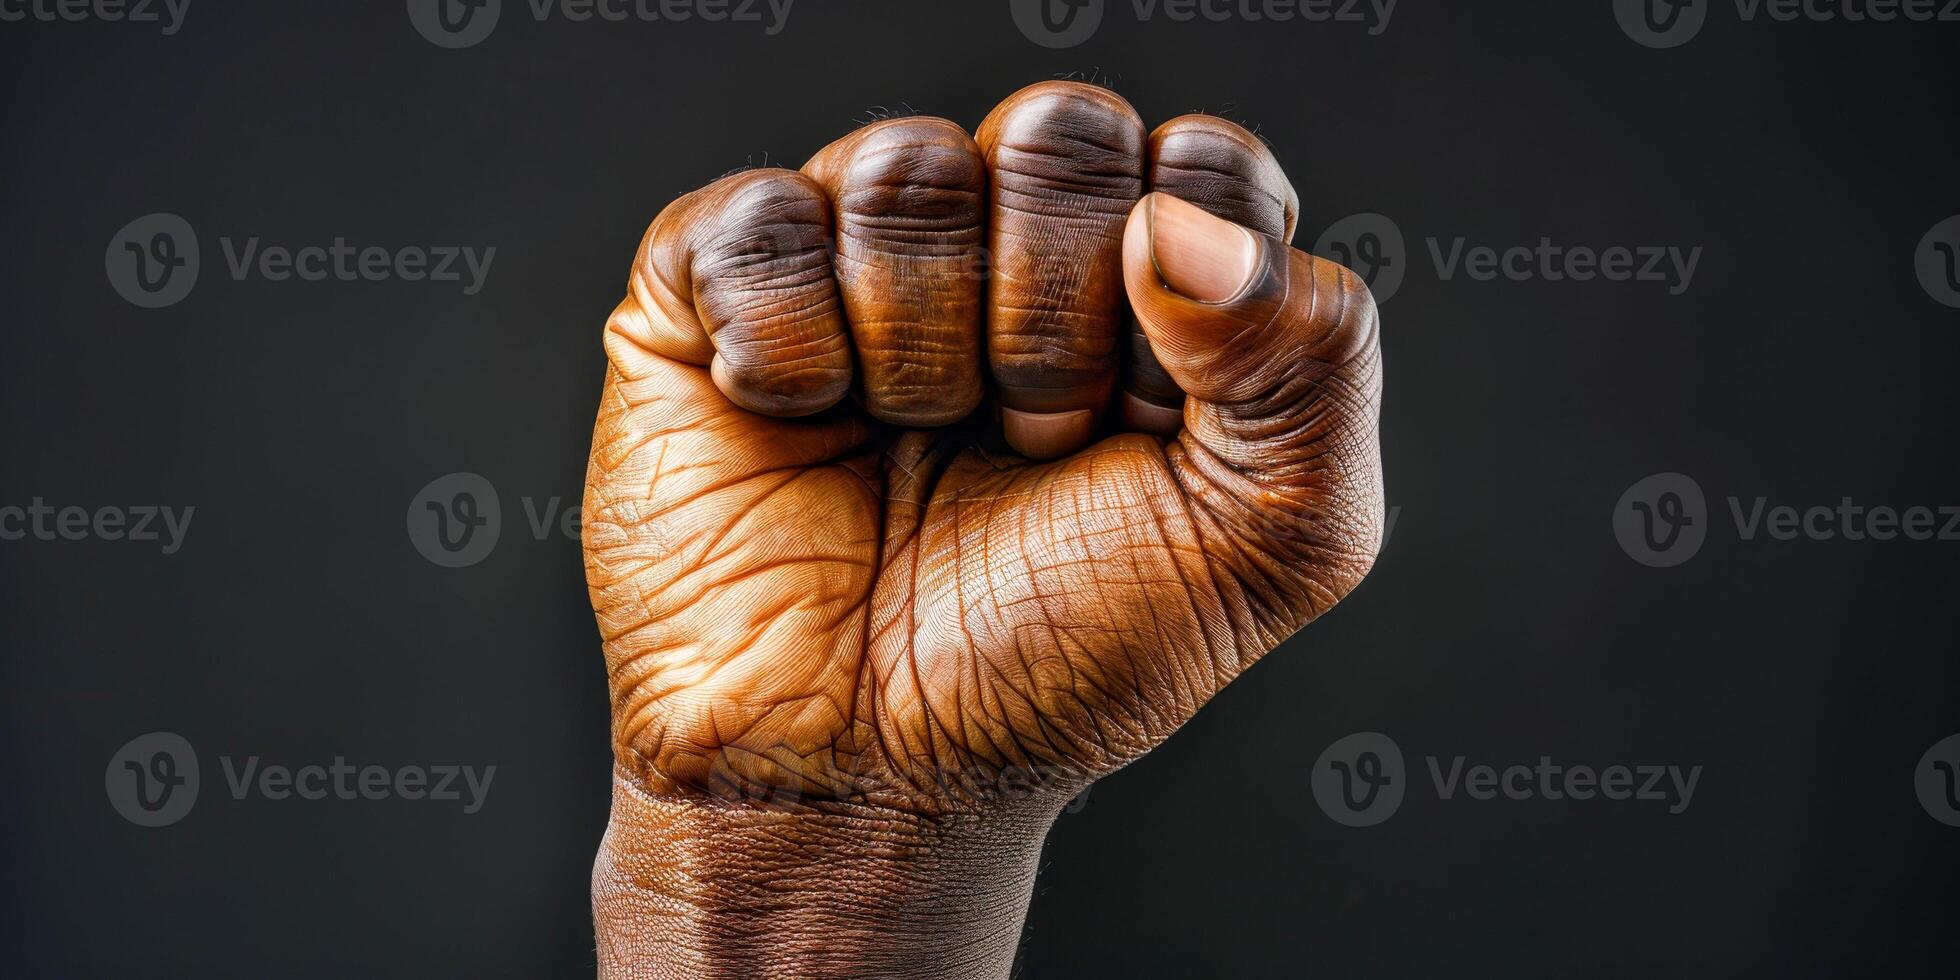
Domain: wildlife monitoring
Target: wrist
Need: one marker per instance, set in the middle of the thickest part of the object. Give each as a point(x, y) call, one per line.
point(702, 888)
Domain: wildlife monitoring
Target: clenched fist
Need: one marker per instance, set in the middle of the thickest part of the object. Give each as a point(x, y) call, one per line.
point(932, 482)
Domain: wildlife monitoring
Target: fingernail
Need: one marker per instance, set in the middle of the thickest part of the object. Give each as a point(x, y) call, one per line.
point(1206, 258)
point(1144, 416)
point(1046, 435)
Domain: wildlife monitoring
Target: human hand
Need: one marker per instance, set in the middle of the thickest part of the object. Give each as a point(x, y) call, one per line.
point(866, 634)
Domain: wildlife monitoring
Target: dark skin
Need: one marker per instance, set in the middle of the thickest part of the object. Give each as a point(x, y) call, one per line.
point(891, 558)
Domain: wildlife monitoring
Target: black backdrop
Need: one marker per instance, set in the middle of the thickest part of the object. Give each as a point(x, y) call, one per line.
point(296, 621)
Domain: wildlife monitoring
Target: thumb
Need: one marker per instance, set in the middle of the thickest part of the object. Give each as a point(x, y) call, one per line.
point(1234, 315)
point(1278, 352)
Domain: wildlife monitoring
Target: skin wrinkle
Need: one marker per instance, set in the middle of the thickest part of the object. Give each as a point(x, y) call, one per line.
point(1186, 694)
point(1191, 602)
point(857, 667)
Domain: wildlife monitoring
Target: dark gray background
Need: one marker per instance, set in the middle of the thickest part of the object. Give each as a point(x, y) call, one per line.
point(1503, 623)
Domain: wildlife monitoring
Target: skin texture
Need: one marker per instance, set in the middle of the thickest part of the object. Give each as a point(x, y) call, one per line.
point(931, 483)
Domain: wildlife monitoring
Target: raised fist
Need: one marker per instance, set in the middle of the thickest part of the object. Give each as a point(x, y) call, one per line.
point(932, 482)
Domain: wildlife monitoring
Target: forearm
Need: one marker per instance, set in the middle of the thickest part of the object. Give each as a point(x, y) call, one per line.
point(701, 889)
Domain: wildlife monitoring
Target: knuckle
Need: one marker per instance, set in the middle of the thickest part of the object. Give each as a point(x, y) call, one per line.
point(1345, 319)
point(1217, 165)
point(1044, 183)
point(769, 228)
point(913, 152)
point(1065, 149)
point(787, 388)
point(909, 201)
point(1069, 110)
